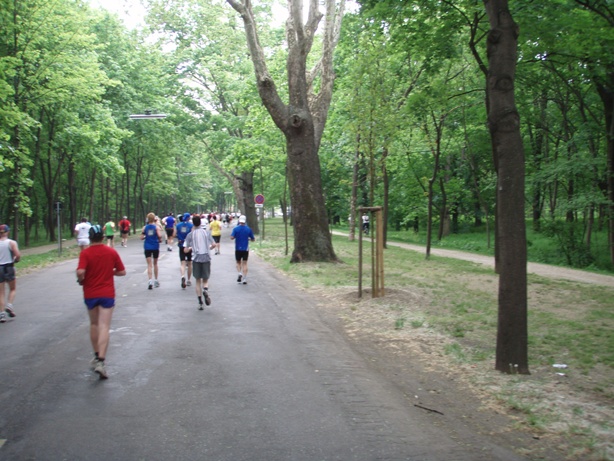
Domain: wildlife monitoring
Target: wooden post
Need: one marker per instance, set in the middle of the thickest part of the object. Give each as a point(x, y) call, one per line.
point(378, 291)
point(377, 253)
point(360, 261)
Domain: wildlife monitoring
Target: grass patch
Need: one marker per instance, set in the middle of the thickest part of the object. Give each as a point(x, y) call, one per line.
point(38, 261)
point(566, 320)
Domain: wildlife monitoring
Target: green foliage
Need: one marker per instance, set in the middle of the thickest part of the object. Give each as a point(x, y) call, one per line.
point(571, 241)
point(66, 96)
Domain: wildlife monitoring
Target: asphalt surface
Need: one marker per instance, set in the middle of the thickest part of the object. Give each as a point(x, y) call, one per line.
point(258, 375)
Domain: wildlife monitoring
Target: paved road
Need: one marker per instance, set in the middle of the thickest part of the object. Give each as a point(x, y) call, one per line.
point(256, 376)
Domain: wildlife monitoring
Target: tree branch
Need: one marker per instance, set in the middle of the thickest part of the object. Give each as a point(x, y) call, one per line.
point(264, 81)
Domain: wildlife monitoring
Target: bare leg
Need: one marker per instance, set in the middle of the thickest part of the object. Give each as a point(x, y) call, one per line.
point(100, 324)
point(198, 287)
point(2, 298)
point(12, 291)
point(149, 267)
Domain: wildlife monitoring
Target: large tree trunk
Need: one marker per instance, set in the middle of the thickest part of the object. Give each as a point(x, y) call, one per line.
point(301, 121)
point(504, 124)
point(243, 185)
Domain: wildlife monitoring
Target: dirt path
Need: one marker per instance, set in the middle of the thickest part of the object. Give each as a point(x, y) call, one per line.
point(544, 270)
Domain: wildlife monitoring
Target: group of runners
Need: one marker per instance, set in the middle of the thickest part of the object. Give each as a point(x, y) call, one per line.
point(197, 236)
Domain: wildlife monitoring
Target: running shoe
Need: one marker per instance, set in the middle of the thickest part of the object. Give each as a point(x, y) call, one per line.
point(10, 311)
point(150, 286)
point(207, 297)
point(93, 363)
point(157, 284)
point(189, 283)
point(244, 280)
point(183, 282)
point(239, 278)
point(101, 370)
point(200, 306)
point(2, 317)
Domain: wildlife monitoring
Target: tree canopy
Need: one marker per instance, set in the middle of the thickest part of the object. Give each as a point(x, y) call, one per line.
point(406, 127)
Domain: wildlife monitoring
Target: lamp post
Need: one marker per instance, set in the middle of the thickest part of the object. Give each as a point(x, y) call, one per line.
point(146, 115)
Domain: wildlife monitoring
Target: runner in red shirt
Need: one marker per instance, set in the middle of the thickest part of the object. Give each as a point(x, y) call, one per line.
point(97, 266)
point(124, 230)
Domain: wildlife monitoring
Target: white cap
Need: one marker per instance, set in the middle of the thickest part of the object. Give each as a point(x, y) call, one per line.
point(242, 219)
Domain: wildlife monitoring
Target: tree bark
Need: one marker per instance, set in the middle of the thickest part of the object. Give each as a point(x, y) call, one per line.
point(504, 124)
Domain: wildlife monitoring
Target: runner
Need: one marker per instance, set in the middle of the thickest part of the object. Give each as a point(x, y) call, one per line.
point(181, 232)
point(169, 227)
point(216, 233)
point(82, 233)
point(199, 242)
point(242, 235)
point(152, 236)
point(124, 230)
point(98, 264)
point(9, 255)
point(109, 232)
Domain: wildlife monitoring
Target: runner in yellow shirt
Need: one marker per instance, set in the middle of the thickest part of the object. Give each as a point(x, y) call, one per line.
point(216, 233)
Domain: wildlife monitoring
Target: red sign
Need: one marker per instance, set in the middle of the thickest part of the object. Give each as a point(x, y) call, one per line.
point(259, 199)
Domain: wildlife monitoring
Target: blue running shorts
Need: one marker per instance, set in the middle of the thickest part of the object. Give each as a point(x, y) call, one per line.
point(106, 303)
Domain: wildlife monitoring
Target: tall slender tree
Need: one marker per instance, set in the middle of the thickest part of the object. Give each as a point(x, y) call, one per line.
point(504, 124)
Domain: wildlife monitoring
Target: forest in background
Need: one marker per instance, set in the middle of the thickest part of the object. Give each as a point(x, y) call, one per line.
point(407, 120)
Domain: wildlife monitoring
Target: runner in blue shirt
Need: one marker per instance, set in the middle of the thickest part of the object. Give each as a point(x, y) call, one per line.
point(242, 234)
point(181, 232)
point(152, 236)
point(169, 227)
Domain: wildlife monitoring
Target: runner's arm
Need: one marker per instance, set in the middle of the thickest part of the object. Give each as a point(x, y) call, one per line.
point(15, 250)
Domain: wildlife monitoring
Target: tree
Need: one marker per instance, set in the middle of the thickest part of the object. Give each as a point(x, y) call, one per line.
point(302, 120)
point(508, 152)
